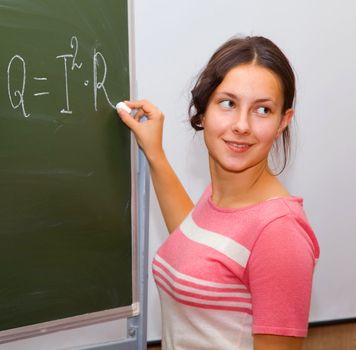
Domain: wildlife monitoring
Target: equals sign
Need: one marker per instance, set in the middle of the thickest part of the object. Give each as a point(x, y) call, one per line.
point(40, 93)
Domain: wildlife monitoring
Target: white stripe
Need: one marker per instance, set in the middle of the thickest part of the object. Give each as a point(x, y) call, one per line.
point(199, 291)
point(203, 301)
point(216, 241)
point(197, 280)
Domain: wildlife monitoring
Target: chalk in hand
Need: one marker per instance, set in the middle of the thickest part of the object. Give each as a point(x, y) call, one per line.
point(124, 106)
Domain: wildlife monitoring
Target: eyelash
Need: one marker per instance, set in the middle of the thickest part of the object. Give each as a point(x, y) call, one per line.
point(231, 104)
point(267, 110)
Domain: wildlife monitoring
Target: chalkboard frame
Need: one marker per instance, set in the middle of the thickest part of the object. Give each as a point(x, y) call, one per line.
point(135, 313)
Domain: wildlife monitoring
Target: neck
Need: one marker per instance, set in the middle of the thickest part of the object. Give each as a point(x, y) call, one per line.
point(238, 189)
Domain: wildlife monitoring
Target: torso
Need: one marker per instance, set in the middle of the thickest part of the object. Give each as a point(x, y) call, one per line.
point(200, 273)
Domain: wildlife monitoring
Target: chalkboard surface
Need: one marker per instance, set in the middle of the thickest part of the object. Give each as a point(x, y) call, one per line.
point(65, 187)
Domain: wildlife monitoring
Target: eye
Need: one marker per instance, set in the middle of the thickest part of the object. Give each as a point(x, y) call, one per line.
point(263, 110)
point(227, 104)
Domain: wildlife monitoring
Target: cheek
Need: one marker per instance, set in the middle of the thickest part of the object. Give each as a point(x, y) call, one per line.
point(213, 131)
point(210, 128)
point(267, 133)
point(209, 134)
point(215, 123)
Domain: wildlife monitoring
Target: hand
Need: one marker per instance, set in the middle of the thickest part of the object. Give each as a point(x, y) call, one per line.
point(149, 132)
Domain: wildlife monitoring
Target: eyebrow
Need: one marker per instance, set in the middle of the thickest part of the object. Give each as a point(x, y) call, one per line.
point(231, 95)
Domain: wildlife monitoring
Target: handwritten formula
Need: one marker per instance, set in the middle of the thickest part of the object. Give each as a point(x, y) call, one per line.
point(17, 67)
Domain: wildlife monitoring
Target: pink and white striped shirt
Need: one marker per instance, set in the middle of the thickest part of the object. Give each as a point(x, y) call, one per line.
point(225, 274)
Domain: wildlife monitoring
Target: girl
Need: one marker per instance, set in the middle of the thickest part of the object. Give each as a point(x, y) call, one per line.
point(236, 272)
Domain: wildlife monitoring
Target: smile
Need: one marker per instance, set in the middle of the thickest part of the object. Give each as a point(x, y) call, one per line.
point(238, 147)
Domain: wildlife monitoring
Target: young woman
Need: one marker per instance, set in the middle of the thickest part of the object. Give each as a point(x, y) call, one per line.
point(236, 272)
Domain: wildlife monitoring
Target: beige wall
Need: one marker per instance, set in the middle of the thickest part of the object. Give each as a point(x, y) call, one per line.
point(337, 337)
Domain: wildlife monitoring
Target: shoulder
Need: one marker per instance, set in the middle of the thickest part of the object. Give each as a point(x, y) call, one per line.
point(286, 225)
point(286, 245)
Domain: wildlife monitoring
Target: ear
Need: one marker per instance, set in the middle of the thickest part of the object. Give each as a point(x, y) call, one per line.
point(286, 119)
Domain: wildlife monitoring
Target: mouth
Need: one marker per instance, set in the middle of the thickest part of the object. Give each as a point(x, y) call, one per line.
point(238, 147)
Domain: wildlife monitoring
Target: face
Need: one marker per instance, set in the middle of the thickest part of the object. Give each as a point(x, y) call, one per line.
point(243, 119)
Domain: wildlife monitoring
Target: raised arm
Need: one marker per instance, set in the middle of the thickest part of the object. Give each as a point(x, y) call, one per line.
point(174, 201)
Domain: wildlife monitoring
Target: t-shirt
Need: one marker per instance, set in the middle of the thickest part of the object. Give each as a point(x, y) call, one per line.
point(225, 274)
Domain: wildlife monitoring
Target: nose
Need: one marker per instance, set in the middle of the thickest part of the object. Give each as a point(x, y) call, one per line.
point(241, 123)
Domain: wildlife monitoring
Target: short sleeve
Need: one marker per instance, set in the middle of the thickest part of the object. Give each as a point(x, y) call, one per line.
point(280, 273)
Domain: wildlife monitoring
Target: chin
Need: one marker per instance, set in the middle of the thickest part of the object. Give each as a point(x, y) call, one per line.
point(234, 168)
point(240, 168)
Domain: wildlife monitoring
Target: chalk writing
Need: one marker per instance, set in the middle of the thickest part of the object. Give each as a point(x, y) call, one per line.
point(17, 93)
point(67, 109)
point(17, 86)
point(74, 45)
point(99, 85)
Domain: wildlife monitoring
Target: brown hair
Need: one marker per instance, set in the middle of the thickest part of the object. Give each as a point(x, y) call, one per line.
point(255, 50)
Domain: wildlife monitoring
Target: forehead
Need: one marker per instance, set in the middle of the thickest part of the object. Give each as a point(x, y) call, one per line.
point(251, 80)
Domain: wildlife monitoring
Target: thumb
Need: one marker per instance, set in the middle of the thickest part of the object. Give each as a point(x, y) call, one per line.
point(127, 119)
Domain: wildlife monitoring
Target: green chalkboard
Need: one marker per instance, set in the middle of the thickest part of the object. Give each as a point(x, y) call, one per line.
point(65, 174)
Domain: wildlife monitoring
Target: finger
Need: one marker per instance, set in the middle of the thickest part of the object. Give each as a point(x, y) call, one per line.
point(127, 119)
point(139, 114)
point(132, 108)
point(138, 104)
point(149, 109)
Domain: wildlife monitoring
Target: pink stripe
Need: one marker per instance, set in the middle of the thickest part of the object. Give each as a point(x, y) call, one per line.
point(198, 286)
point(200, 296)
point(203, 306)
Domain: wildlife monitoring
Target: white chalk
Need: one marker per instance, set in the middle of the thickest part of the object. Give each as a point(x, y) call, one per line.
point(124, 106)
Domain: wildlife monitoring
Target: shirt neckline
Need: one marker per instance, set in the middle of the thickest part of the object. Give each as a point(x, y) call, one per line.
point(254, 205)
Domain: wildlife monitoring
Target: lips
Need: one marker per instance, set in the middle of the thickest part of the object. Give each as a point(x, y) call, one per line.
point(238, 147)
